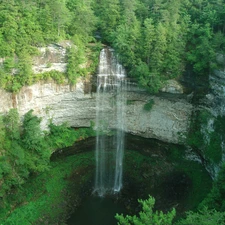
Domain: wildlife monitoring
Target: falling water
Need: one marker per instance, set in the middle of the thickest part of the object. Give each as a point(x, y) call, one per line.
point(110, 115)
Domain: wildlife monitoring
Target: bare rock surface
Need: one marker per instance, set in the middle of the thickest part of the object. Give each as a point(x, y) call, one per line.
point(168, 120)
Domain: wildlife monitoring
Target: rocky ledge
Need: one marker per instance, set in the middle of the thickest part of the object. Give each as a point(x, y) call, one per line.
point(168, 120)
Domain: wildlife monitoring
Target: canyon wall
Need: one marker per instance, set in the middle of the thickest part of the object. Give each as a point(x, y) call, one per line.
point(168, 120)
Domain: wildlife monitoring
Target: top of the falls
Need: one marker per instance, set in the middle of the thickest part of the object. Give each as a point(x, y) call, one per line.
point(109, 65)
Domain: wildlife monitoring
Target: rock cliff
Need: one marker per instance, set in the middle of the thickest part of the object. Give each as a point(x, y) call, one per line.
point(168, 120)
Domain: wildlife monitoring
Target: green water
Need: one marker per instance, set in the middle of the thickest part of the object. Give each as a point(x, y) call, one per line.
point(96, 211)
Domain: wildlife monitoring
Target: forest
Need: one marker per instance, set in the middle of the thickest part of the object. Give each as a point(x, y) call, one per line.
point(156, 40)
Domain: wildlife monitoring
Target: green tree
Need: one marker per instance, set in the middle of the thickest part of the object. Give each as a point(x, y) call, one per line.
point(8, 27)
point(24, 75)
point(61, 15)
point(83, 20)
point(12, 160)
point(147, 216)
point(47, 23)
point(215, 199)
point(126, 39)
point(75, 59)
point(37, 152)
point(2, 134)
point(200, 52)
point(149, 38)
point(128, 11)
point(109, 14)
point(203, 217)
point(12, 124)
point(160, 47)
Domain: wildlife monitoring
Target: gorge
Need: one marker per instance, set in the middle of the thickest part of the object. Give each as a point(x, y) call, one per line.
point(115, 99)
point(77, 142)
point(167, 122)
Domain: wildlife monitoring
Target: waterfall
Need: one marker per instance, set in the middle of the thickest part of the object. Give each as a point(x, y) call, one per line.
point(110, 123)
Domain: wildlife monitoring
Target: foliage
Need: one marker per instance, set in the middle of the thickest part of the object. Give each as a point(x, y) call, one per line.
point(83, 21)
point(203, 217)
point(109, 14)
point(201, 182)
point(191, 194)
point(24, 26)
point(93, 52)
point(208, 141)
point(32, 139)
point(147, 216)
point(25, 149)
point(61, 136)
point(155, 39)
point(148, 106)
point(12, 124)
point(215, 199)
point(75, 60)
point(42, 198)
point(57, 76)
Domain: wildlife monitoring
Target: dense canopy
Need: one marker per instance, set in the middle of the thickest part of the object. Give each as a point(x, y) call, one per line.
point(155, 39)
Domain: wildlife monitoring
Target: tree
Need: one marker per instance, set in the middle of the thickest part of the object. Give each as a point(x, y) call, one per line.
point(36, 150)
point(8, 27)
point(149, 38)
point(12, 159)
point(128, 12)
point(215, 199)
point(60, 14)
point(12, 124)
point(75, 59)
point(126, 39)
point(147, 216)
point(83, 20)
point(109, 15)
point(203, 217)
point(200, 52)
point(160, 47)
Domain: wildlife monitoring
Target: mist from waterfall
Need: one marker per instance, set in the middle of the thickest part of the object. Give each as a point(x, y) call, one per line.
point(110, 123)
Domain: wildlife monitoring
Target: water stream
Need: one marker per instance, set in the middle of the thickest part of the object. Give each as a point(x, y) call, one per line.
point(110, 115)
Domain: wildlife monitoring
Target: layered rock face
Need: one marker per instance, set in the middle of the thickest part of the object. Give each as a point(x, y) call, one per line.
point(61, 103)
point(168, 120)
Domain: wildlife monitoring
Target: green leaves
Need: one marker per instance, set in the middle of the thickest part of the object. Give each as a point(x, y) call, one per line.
point(109, 13)
point(147, 216)
point(200, 50)
point(203, 217)
point(25, 149)
point(165, 35)
point(83, 21)
point(75, 59)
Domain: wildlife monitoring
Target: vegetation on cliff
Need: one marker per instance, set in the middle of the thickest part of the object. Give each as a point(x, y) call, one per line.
point(25, 149)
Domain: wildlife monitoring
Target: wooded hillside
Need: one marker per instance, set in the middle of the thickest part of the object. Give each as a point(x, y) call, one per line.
point(155, 39)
